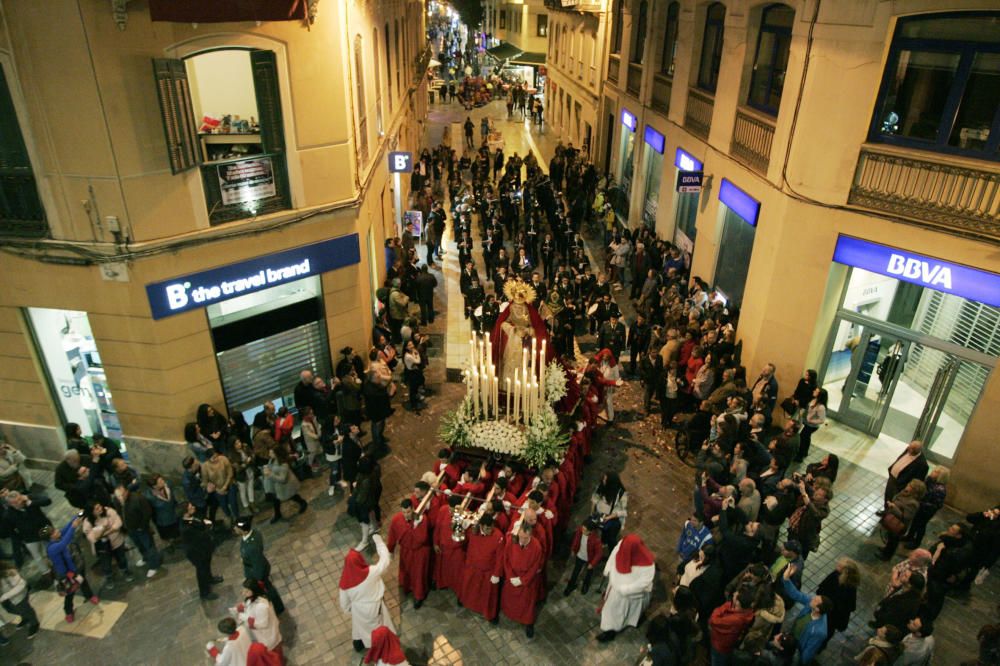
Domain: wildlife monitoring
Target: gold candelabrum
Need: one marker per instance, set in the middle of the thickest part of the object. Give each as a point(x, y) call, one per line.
point(462, 517)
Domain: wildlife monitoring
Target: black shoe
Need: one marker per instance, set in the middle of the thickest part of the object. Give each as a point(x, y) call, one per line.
point(585, 588)
point(303, 505)
point(32, 631)
point(495, 621)
point(529, 631)
point(417, 603)
point(217, 579)
point(880, 513)
point(606, 636)
point(569, 590)
point(884, 556)
point(277, 518)
point(211, 596)
point(359, 646)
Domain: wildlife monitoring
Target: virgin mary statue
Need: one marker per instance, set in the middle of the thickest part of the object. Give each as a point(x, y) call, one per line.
point(515, 327)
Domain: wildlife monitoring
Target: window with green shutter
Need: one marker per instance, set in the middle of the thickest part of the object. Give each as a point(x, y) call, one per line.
point(179, 126)
point(21, 212)
point(241, 157)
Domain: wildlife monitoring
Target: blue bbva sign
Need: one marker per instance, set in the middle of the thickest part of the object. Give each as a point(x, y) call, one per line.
point(971, 283)
point(215, 285)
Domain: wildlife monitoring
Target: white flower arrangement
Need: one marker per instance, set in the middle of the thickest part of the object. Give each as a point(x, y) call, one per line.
point(545, 439)
point(456, 426)
point(498, 436)
point(555, 382)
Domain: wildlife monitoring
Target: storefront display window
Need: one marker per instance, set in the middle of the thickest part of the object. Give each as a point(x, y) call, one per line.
point(735, 251)
point(75, 372)
point(654, 172)
point(626, 166)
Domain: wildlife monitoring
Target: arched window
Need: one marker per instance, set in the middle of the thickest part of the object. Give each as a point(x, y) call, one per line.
point(670, 39)
point(771, 60)
point(639, 43)
point(359, 82)
point(941, 87)
point(616, 29)
point(711, 47)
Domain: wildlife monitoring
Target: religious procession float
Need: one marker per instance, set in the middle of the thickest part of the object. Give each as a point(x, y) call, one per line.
point(513, 385)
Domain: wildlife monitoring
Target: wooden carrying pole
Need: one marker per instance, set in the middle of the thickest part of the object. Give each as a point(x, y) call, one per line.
point(427, 498)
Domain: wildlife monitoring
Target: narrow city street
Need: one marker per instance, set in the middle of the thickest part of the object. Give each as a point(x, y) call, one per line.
point(165, 623)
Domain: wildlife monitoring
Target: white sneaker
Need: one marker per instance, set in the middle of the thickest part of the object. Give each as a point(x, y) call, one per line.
point(329, 491)
point(140, 562)
point(981, 576)
point(151, 573)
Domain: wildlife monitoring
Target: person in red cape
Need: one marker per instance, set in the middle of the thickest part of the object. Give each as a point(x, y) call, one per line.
point(413, 535)
point(522, 563)
point(258, 655)
point(449, 555)
point(361, 592)
point(483, 568)
point(470, 486)
point(631, 569)
point(385, 649)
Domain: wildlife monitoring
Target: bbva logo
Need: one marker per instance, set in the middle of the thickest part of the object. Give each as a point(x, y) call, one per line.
point(916, 269)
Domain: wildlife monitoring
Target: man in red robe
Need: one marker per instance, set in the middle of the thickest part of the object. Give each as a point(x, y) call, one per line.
point(413, 536)
point(420, 490)
point(523, 560)
point(483, 568)
point(470, 486)
point(449, 555)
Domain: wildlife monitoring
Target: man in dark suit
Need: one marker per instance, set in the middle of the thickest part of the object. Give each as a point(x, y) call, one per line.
point(196, 536)
point(612, 334)
point(255, 564)
point(911, 464)
point(637, 341)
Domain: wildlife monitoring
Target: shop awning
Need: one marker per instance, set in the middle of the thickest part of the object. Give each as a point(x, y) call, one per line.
point(504, 51)
point(529, 58)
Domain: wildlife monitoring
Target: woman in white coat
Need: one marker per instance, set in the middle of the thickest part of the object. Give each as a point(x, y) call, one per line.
point(631, 569)
point(257, 613)
point(361, 590)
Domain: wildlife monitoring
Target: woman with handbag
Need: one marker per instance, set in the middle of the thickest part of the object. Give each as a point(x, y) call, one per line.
point(609, 507)
point(103, 528)
point(283, 484)
point(899, 514)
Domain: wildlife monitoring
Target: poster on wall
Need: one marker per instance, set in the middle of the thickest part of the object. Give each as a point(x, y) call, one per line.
point(246, 181)
point(417, 219)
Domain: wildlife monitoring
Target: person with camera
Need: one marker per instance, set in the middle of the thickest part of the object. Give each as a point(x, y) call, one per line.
point(68, 564)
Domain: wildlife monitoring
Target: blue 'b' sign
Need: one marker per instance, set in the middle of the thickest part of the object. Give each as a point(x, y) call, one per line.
point(400, 162)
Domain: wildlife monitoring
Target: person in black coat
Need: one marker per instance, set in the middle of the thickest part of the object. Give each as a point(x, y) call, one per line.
point(739, 543)
point(902, 605)
point(196, 537)
point(23, 520)
point(352, 450)
point(841, 587)
point(637, 342)
point(425, 284)
point(708, 588)
point(911, 464)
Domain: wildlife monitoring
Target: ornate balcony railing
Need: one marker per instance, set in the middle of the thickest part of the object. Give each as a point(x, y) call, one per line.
point(634, 81)
point(698, 114)
point(959, 198)
point(614, 63)
point(662, 85)
point(574, 6)
point(752, 138)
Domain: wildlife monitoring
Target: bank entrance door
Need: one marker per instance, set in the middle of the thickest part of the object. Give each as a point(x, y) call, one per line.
point(896, 384)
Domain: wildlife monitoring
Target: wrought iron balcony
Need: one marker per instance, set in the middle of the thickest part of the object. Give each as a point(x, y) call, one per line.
point(662, 85)
point(752, 137)
point(574, 6)
point(934, 191)
point(634, 82)
point(614, 64)
point(21, 212)
point(698, 114)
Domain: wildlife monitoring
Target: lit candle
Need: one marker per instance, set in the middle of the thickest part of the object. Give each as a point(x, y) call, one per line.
point(496, 399)
point(517, 397)
point(468, 383)
point(524, 364)
point(510, 396)
point(537, 399)
point(541, 370)
point(534, 354)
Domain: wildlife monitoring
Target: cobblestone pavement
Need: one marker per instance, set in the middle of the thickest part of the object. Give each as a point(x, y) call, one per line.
point(166, 623)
